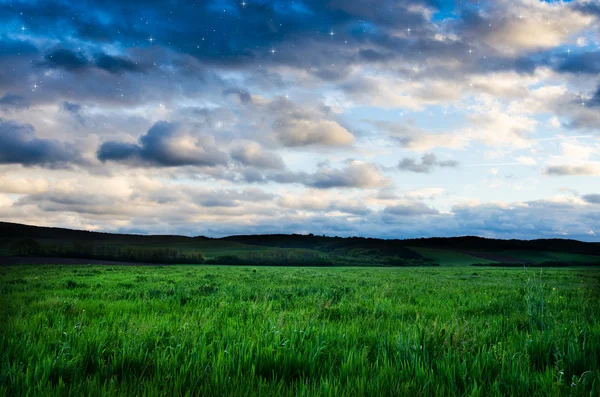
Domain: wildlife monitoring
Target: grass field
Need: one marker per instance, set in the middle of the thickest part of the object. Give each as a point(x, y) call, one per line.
point(450, 258)
point(456, 258)
point(210, 330)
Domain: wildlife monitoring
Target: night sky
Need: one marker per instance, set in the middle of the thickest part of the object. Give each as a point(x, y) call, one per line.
point(373, 118)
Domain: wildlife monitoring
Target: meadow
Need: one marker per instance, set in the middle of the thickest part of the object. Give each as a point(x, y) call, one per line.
point(335, 331)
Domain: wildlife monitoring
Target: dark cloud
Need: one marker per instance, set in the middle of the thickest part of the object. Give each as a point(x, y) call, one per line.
point(243, 95)
point(65, 59)
point(595, 101)
point(19, 145)
point(115, 65)
point(574, 170)
point(592, 198)
point(14, 102)
point(73, 61)
point(73, 109)
point(428, 162)
point(165, 145)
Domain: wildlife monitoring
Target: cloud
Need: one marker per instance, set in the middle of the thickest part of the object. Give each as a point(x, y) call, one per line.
point(409, 209)
point(115, 64)
point(525, 160)
point(23, 185)
point(66, 59)
point(573, 170)
point(428, 162)
point(412, 137)
point(73, 109)
point(165, 145)
point(357, 174)
point(229, 197)
point(243, 95)
point(297, 126)
point(305, 132)
point(19, 145)
point(592, 198)
point(63, 58)
point(251, 154)
point(512, 27)
point(14, 102)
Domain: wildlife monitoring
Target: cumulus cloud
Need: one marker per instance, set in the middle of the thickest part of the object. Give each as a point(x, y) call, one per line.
point(591, 169)
point(23, 185)
point(525, 25)
point(167, 145)
point(428, 162)
point(251, 154)
point(298, 126)
point(227, 198)
point(19, 145)
point(410, 209)
point(357, 175)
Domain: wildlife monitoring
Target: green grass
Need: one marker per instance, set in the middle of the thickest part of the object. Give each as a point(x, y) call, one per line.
point(450, 258)
point(211, 330)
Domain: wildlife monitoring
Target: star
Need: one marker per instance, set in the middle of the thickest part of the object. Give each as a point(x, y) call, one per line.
point(273, 51)
point(23, 28)
point(331, 33)
point(243, 3)
point(150, 39)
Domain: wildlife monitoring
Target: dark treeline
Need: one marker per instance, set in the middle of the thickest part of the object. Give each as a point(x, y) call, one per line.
point(298, 257)
point(31, 247)
point(360, 246)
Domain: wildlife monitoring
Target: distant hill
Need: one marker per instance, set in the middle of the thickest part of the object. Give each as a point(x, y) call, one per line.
point(294, 249)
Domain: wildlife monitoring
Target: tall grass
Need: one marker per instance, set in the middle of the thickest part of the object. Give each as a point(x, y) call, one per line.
point(219, 330)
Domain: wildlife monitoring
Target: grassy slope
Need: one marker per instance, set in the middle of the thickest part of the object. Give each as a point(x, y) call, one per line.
point(102, 330)
point(446, 257)
point(450, 258)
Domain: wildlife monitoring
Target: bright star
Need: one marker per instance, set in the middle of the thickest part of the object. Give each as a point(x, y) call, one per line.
point(150, 39)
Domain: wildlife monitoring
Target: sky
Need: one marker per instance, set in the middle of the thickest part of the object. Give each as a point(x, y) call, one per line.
point(391, 119)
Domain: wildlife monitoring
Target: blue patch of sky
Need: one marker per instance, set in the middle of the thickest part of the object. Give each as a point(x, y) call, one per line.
point(446, 10)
